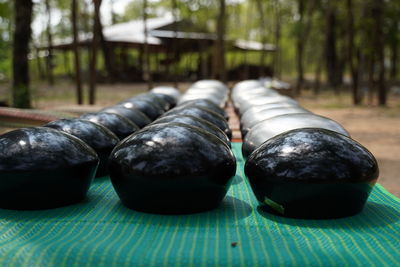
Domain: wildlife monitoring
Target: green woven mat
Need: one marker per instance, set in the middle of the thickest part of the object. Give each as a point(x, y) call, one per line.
point(102, 232)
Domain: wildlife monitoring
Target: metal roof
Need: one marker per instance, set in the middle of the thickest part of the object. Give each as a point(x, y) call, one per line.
point(131, 33)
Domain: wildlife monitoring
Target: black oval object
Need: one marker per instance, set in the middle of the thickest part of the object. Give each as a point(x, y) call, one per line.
point(95, 135)
point(167, 90)
point(210, 84)
point(250, 119)
point(119, 125)
point(312, 174)
point(197, 122)
point(167, 98)
point(134, 115)
point(144, 105)
point(259, 91)
point(205, 114)
point(269, 128)
point(256, 109)
point(155, 99)
point(205, 104)
point(171, 168)
point(42, 168)
point(263, 100)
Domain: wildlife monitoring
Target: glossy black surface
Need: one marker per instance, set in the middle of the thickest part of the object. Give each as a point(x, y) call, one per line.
point(215, 97)
point(119, 125)
point(171, 168)
point(167, 98)
point(197, 122)
point(43, 168)
point(205, 114)
point(205, 104)
point(96, 136)
point(250, 119)
point(167, 90)
point(151, 109)
point(239, 96)
point(134, 115)
point(256, 109)
point(155, 99)
point(312, 173)
point(263, 100)
point(269, 128)
point(204, 84)
point(246, 84)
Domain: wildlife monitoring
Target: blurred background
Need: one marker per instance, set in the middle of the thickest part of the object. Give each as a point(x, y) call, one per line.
point(340, 58)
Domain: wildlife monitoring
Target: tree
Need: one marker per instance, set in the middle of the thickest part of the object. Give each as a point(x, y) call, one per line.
point(93, 54)
point(22, 35)
point(330, 48)
point(350, 51)
point(219, 56)
point(304, 23)
point(379, 47)
point(263, 28)
point(106, 48)
point(146, 64)
point(77, 61)
point(49, 44)
point(277, 32)
point(174, 7)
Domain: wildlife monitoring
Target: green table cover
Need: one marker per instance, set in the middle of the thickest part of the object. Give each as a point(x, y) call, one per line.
point(102, 232)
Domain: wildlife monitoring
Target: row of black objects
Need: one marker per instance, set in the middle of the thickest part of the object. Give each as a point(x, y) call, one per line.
point(181, 162)
point(54, 165)
point(300, 164)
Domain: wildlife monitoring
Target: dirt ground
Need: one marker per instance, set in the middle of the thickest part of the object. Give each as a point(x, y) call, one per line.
point(378, 129)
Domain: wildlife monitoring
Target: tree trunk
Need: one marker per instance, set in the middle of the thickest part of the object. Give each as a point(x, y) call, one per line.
point(219, 57)
point(380, 50)
point(146, 66)
point(260, 8)
point(49, 44)
point(330, 49)
point(350, 53)
point(371, 80)
point(22, 36)
point(300, 48)
point(394, 49)
point(277, 64)
point(247, 37)
point(77, 61)
point(105, 47)
point(317, 81)
point(93, 57)
point(175, 43)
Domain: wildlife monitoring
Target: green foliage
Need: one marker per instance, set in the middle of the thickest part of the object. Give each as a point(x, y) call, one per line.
point(134, 10)
point(5, 39)
point(243, 21)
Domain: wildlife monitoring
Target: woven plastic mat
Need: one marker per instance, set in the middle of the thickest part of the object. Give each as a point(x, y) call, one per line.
point(102, 232)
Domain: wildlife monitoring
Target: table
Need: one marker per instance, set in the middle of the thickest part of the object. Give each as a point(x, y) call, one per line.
point(102, 232)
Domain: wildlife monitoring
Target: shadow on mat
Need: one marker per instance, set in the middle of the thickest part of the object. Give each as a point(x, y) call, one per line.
point(229, 211)
point(374, 215)
point(237, 180)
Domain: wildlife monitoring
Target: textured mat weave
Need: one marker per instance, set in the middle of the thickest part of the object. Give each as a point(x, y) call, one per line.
point(102, 232)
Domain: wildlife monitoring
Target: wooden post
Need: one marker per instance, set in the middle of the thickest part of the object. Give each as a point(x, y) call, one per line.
point(77, 61)
point(146, 66)
point(175, 43)
point(22, 35)
point(219, 56)
point(49, 44)
point(93, 58)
